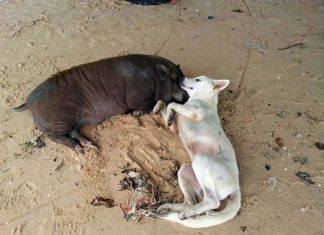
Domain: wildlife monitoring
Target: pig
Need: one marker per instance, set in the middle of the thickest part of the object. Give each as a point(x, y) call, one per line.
point(92, 92)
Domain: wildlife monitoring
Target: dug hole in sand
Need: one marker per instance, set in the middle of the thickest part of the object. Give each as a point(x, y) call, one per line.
point(136, 166)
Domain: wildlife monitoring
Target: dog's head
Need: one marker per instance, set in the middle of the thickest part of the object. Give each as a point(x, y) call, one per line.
point(203, 86)
point(170, 76)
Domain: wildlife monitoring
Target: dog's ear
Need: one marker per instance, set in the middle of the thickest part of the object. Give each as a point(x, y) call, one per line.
point(220, 84)
point(162, 71)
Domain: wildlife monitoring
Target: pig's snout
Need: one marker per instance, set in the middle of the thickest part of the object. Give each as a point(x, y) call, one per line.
point(180, 96)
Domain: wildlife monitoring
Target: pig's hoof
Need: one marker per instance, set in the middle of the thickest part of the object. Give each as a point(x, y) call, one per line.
point(79, 149)
point(158, 107)
point(89, 144)
point(138, 113)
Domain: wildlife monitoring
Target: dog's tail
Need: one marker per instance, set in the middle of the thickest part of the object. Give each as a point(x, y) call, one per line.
point(20, 108)
point(212, 218)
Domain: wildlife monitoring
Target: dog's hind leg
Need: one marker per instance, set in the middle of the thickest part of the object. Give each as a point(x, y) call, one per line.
point(207, 204)
point(189, 187)
point(201, 166)
point(189, 184)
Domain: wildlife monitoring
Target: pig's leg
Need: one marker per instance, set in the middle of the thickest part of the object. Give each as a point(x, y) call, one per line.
point(75, 134)
point(141, 112)
point(137, 113)
point(68, 141)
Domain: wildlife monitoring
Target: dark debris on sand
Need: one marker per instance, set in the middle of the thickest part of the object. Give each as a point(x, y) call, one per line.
point(146, 196)
point(101, 201)
point(148, 2)
point(319, 145)
point(38, 143)
point(304, 176)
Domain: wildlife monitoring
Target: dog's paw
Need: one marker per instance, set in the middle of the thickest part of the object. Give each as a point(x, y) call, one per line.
point(158, 107)
point(170, 117)
point(186, 214)
point(163, 209)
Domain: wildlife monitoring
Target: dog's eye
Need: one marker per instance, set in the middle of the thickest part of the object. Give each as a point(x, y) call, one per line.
point(198, 80)
point(191, 88)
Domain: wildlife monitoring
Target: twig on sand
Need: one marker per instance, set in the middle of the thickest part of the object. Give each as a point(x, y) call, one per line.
point(300, 44)
point(247, 61)
point(171, 32)
point(59, 166)
point(247, 7)
point(16, 32)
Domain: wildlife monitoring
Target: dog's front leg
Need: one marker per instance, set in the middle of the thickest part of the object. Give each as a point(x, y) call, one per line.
point(189, 111)
point(160, 107)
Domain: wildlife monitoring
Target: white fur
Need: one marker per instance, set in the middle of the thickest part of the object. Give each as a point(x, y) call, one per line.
point(213, 174)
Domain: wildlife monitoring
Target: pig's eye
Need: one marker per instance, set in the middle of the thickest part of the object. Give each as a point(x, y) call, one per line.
point(198, 80)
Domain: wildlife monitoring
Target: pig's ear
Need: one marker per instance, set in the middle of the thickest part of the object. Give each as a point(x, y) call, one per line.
point(220, 84)
point(162, 71)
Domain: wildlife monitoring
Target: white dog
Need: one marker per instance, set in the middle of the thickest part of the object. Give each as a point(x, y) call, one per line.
point(213, 174)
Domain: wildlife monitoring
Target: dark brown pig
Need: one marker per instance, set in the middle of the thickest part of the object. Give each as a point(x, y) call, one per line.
point(92, 92)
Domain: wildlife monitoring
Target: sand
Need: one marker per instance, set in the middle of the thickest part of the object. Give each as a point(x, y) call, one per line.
point(272, 111)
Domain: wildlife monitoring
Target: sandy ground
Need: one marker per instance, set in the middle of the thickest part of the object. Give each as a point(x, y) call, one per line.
point(273, 111)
